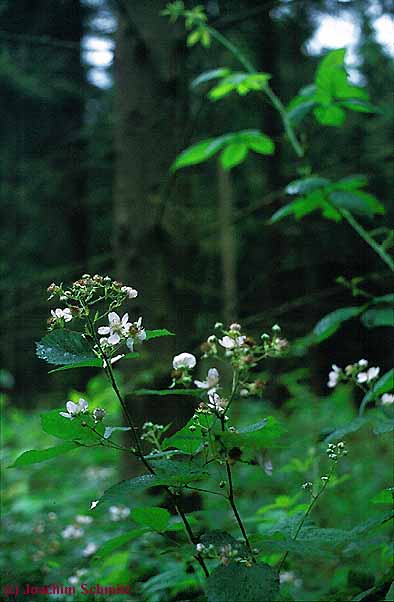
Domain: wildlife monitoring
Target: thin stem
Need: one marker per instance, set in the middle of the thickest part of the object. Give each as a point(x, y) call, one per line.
point(206, 491)
point(275, 100)
point(308, 511)
point(139, 452)
point(351, 220)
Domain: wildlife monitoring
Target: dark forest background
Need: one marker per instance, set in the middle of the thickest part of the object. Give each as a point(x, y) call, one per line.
point(85, 182)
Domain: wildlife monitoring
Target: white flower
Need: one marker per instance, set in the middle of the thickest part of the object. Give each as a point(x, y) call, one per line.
point(363, 363)
point(235, 327)
point(333, 376)
point(387, 399)
point(72, 532)
point(113, 360)
point(130, 291)
point(118, 512)
point(216, 403)
point(73, 580)
point(82, 519)
point(184, 360)
point(118, 328)
point(200, 547)
point(89, 549)
point(137, 332)
point(93, 504)
point(370, 374)
point(230, 342)
point(211, 381)
point(73, 409)
point(62, 313)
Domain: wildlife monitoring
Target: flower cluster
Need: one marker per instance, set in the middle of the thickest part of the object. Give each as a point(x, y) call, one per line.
point(225, 553)
point(120, 330)
point(118, 513)
point(153, 434)
point(359, 373)
point(335, 451)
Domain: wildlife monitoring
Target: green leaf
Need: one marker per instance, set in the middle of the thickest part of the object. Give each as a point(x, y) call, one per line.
point(239, 583)
point(384, 426)
point(306, 185)
point(328, 66)
point(117, 542)
point(260, 143)
point(383, 385)
point(155, 518)
point(34, 456)
point(255, 436)
point(332, 321)
point(233, 154)
point(351, 182)
point(208, 76)
point(198, 153)
point(64, 347)
point(186, 440)
point(94, 363)
point(239, 82)
point(71, 429)
point(360, 106)
point(382, 316)
point(329, 115)
point(352, 427)
point(159, 332)
point(357, 201)
point(178, 472)
point(384, 497)
point(122, 493)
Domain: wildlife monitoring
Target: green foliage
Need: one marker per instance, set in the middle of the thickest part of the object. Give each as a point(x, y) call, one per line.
point(186, 440)
point(63, 347)
point(384, 384)
point(330, 94)
point(153, 518)
point(35, 456)
point(266, 433)
point(75, 429)
point(234, 147)
point(239, 82)
point(238, 583)
point(117, 542)
point(330, 198)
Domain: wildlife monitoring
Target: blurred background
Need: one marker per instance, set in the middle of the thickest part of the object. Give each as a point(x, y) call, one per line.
point(96, 103)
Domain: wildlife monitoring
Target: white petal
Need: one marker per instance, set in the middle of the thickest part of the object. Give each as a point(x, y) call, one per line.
point(362, 377)
point(114, 339)
point(141, 336)
point(65, 415)
point(103, 330)
point(213, 373)
point(125, 319)
point(130, 344)
point(200, 384)
point(113, 317)
point(72, 408)
point(59, 313)
point(227, 342)
point(83, 405)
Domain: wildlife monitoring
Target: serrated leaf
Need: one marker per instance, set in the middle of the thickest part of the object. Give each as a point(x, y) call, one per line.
point(328, 325)
point(71, 429)
point(239, 583)
point(265, 433)
point(178, 472)
point(63, 347)
point(122, 493)
point(233, 154)
point(382, 316)
point(94, 363)
point(34, 456)
point(357, 201)
point(186, 440)
point(155, 518)
point(117, 542)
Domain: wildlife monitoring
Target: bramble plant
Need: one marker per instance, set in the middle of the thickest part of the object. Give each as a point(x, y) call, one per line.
point(90, 327)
